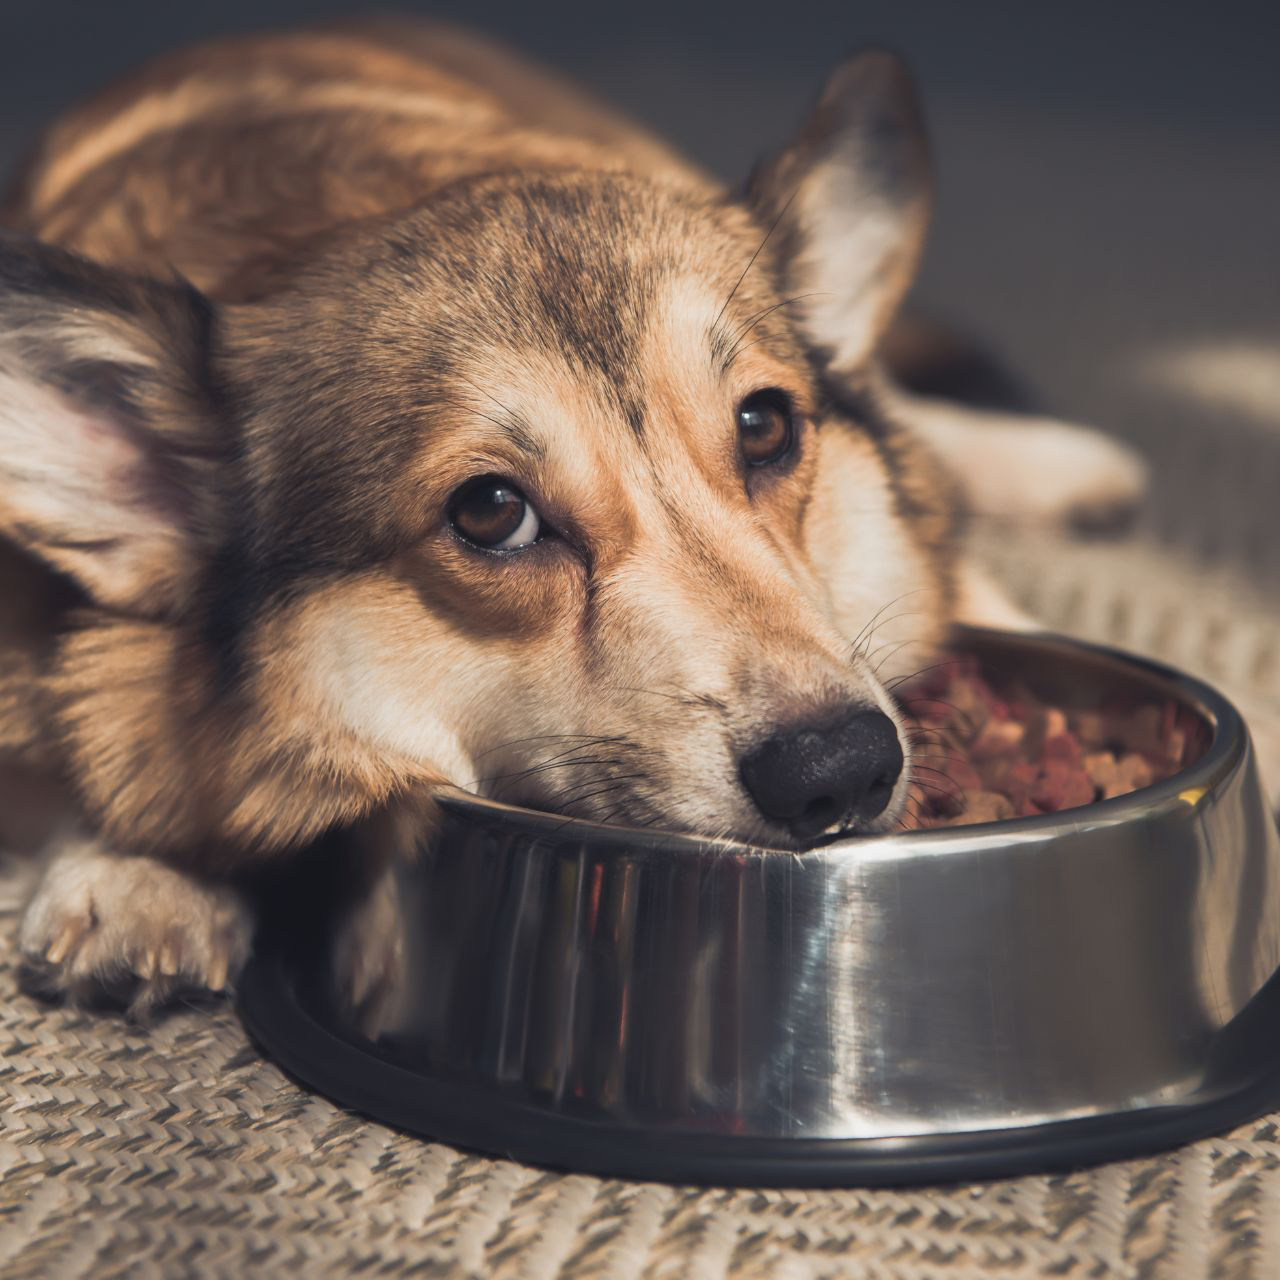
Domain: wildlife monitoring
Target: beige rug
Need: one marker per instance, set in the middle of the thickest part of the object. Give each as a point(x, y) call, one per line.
point(180, 1152)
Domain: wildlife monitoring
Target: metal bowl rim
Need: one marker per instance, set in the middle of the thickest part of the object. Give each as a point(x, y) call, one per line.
point(1186, 788)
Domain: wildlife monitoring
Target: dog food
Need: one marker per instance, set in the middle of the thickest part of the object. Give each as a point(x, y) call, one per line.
point(982, 755)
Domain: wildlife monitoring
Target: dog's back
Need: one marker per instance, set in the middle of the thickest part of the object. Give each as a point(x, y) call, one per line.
point(226, 162)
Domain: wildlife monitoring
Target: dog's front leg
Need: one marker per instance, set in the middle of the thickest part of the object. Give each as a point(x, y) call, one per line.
point(367, 951)
point(124, 928)
point(368, 941)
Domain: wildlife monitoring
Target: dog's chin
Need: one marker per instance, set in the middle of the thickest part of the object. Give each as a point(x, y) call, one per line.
point(643, 816)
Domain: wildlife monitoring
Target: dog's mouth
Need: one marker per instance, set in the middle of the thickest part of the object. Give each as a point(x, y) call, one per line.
point(852, 832)
point(641, 815)
point(779, 797)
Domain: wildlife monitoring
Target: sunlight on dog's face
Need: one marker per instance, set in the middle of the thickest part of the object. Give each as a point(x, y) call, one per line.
point(643, 580)
point(568, 486)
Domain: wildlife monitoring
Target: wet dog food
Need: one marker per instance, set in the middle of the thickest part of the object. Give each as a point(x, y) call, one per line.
point(981, 755)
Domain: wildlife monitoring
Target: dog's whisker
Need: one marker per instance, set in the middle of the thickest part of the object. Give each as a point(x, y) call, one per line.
point(470, 408)
point(965, 717)
point(737, 348)
point(941, 787)
point(568, 758)
point(915, 675)
point(545, 737)
point(934, 788)
point(685, 697)
point(884, 622)
point(569, 755)
point(768, 310)
point(894, 649)
point(513, 779)
point(857, 640)
point(579, 797)
point(773, 226)
point(563, 758)
point(932, 768)
point(908, 811)
point(949, 759)
point(488, 395)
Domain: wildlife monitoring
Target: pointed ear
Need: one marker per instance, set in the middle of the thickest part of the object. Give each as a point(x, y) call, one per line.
point(106, 417)
point(850, 197)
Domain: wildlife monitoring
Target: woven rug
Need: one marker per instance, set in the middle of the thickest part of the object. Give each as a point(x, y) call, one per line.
point(178, 1151)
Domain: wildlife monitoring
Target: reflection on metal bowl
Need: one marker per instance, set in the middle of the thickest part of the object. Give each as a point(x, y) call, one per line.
point(954, 1003)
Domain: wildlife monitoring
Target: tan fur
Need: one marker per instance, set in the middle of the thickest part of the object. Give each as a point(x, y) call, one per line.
point(219, 162)
point(423, 261)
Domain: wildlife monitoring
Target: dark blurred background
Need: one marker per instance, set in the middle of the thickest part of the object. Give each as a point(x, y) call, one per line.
point(1109, 172)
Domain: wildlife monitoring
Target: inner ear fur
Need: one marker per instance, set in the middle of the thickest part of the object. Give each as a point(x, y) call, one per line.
point(847, 202)
point(111, 440)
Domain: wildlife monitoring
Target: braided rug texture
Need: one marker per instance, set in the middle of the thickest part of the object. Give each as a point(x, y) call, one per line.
point(178, 1151)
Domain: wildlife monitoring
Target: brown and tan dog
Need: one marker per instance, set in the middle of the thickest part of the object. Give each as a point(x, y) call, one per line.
point(375, 411)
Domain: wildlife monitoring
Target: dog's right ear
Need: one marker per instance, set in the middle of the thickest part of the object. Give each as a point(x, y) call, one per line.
point(847, 204)
point(108, 446)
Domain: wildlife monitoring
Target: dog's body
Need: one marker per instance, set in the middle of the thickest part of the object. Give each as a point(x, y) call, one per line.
point(261, 595)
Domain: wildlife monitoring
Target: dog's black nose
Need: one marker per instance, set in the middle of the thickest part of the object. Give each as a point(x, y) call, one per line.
point(808, 778)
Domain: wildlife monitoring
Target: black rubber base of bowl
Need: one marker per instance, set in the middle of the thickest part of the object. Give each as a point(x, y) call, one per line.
point(1242, 1083)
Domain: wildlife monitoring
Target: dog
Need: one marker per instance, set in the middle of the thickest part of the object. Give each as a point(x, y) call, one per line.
point(378, 412)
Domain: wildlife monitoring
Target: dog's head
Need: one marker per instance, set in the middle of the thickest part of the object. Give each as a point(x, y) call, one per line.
point(569, 488)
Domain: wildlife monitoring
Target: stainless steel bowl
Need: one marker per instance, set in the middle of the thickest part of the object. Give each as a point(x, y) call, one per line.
point(965, 1002)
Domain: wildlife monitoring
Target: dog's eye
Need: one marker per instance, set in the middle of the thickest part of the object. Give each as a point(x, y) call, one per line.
point(494, 514)
point(765, 427)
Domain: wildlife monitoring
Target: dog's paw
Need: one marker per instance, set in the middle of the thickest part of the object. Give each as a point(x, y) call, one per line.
point(129, 930)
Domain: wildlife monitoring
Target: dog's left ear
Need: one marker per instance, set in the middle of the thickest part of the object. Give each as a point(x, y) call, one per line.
point(848, 200)
point(109, 460)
